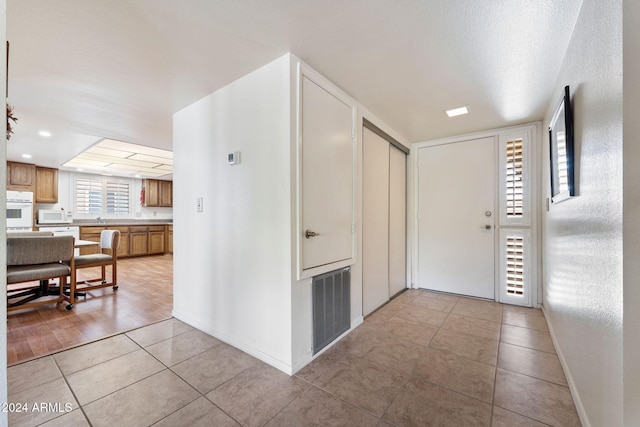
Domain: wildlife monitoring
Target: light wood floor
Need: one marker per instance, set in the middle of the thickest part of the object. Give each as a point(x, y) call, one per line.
point(145, 295)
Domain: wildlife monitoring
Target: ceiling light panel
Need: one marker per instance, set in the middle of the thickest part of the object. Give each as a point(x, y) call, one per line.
point(134, 148)
point(110, 152)
point(155, 159)
point(122, 158)
point(457, 111)
point(77, 162)
point(117, 160)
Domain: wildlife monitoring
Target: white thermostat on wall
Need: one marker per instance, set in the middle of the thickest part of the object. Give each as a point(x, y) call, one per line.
point(233, 158)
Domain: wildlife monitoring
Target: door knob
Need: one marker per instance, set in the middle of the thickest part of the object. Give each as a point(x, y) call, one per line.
point(486, 227)
point(309, 234)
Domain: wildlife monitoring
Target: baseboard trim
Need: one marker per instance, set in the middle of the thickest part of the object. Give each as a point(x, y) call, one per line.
point(258, 354)
point(582, 414)
point(308, 357)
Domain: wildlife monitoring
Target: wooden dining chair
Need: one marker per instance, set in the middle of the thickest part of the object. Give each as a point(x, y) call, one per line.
point(106, 256)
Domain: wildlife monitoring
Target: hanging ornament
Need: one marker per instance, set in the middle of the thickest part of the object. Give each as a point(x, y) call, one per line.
point(10, 118)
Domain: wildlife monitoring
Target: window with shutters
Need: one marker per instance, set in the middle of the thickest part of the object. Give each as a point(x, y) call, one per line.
point(516, 218)
point(101, 197)
point(514, 184)
point(515, 266)
point(514, 176)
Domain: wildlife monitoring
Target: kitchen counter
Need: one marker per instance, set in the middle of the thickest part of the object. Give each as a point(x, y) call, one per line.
point(111, 222)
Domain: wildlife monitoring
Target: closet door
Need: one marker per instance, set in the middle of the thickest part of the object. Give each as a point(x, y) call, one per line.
point(397, 220)
point(375, 222)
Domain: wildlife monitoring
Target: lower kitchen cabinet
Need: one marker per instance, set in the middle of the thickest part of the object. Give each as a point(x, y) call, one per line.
point(135, 240)
point(138, 241)
point(156, 239)
point(123, 248)
point(92, 234)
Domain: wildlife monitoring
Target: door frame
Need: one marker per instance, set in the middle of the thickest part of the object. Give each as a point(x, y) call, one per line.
point(534, 130)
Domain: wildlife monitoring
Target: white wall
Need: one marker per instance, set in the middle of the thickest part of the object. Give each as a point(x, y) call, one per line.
point(232, 262)
point(235, 263)
point(631, 176)
point(583, 236)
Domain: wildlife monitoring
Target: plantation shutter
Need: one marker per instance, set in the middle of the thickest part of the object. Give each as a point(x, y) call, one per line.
point(517, 260)
point(117, 198)
point(515, 265)
point(99, 197)
point(514, 179)
point(89, 199)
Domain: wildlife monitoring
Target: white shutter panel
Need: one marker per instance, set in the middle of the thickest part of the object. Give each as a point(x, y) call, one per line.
point(515, 256)
point(117, 198)
point(514, 180)
point(100, 197)
point(89, 198)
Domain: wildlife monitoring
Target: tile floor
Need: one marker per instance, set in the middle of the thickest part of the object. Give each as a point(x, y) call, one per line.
point(423, 359)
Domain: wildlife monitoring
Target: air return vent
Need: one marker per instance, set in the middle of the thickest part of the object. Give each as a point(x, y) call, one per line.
point(331, 307)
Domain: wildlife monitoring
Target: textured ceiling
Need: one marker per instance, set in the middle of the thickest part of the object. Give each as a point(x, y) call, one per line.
point(119, 69)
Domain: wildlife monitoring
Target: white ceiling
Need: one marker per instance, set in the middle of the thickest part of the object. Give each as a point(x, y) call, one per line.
point(87, 70)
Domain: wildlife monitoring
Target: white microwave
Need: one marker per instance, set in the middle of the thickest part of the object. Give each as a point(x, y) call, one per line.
point(52, 216)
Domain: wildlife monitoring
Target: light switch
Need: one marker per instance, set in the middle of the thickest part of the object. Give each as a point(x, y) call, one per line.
point(199, 203)
point(233, 158)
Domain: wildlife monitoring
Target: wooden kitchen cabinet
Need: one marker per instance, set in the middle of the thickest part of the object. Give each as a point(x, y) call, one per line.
point(138, 240)
point(21, 176)
point(165, 196)
point(156, 239)
point(46, 185)
point(152, 192)
point(135, 240)
point(92, 234)
point(123, 248)
point(158, 193)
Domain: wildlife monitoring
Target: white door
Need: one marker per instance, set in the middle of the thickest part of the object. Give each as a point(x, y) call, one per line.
point(327, 177)
point(383, 221)
point(375, 221)
point(397, 220)
point(456, 200)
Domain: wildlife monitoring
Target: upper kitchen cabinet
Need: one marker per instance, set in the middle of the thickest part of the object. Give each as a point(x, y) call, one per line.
point(158, 193)
point(21, 176)
point(46, 185)
point(326, 198)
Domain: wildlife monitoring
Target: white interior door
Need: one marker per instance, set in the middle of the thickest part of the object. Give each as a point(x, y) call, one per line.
point(327, 177)
point(397, 220)
point(456, 200)
point(375, 221)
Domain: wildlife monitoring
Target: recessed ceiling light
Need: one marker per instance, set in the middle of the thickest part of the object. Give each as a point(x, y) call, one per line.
point(26, 156)
point(44, 133)
point(79, 169)
point(457, 111)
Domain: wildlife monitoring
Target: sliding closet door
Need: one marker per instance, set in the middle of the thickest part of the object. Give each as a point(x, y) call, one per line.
point(375, 222)
point(397, 220)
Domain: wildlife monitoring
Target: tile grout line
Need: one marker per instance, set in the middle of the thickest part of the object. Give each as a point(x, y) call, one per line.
point(80, 407)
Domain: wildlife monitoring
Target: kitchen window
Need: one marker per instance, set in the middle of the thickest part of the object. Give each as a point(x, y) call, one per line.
point(101, 196)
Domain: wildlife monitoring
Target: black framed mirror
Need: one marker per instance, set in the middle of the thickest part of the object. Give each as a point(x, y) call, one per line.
point(561, 152)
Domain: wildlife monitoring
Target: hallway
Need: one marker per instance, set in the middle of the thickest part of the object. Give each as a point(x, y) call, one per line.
point(423, 359)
